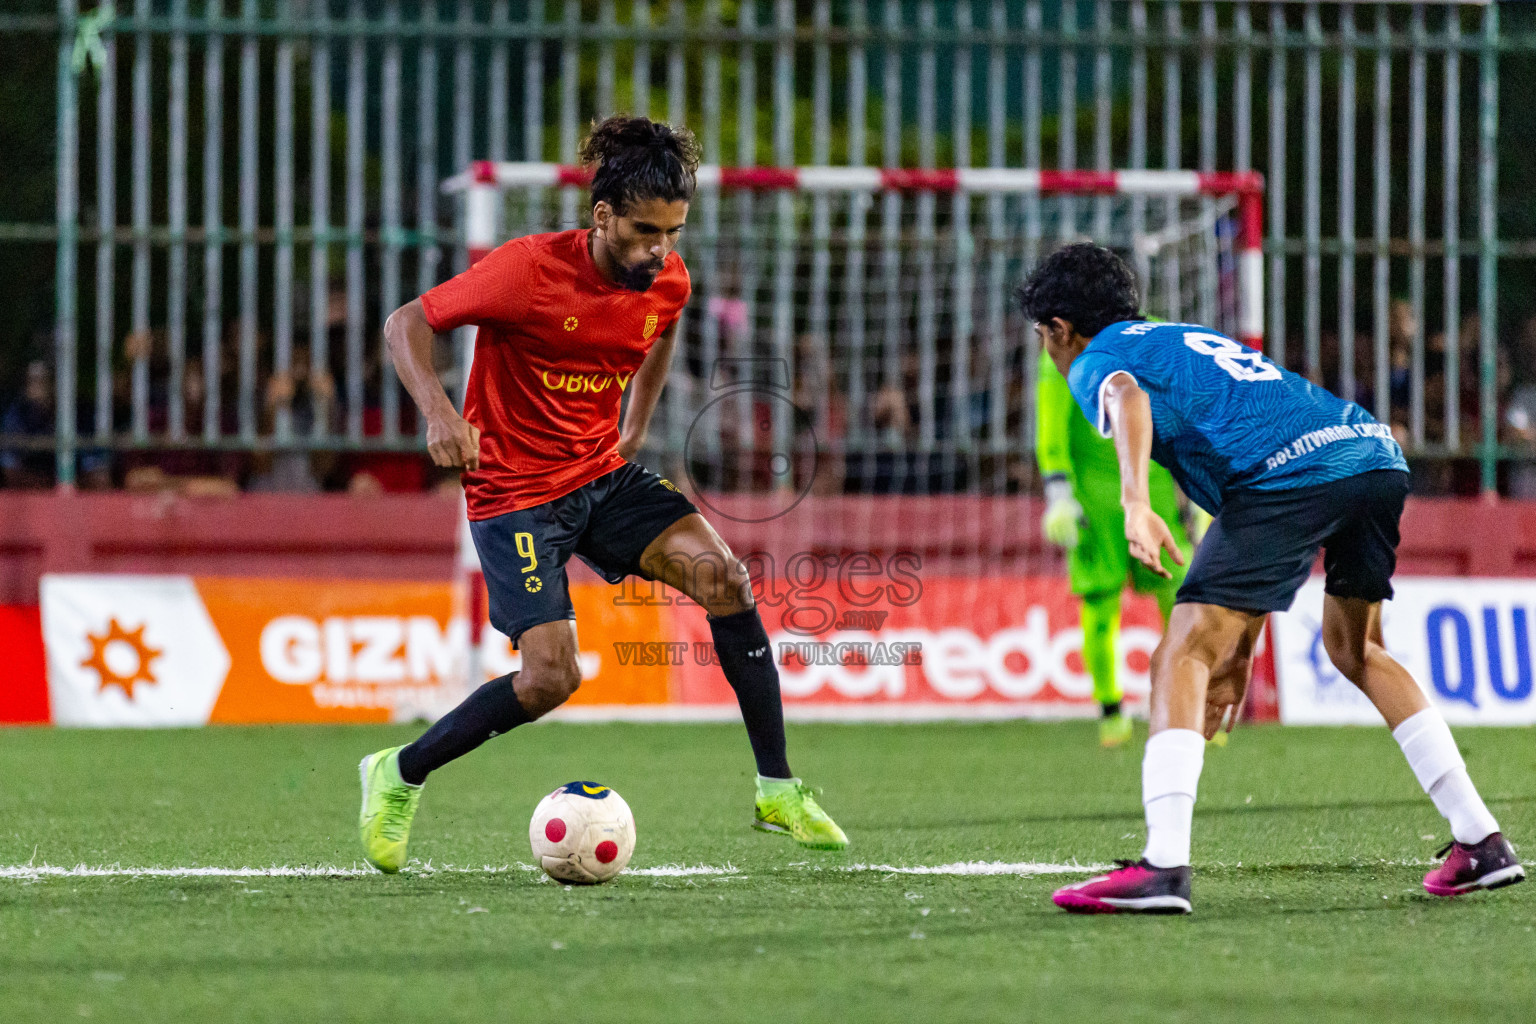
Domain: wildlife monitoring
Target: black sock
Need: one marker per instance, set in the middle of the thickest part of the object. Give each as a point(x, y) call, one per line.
point(489, 711)
point(746, 656)
point(1110, 709)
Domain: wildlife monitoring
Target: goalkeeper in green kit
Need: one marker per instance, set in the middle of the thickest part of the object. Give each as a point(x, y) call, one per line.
point(1083, 515)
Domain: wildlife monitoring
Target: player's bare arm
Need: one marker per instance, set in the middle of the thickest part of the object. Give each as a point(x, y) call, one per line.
point(451, 439)
point(645, 392)
point(1130, 416)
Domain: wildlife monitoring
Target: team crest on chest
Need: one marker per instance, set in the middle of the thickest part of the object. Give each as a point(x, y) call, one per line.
point(650, 326)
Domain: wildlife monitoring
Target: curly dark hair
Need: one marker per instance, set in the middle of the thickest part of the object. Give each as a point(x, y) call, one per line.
point(635, 158)
point(1086, 285)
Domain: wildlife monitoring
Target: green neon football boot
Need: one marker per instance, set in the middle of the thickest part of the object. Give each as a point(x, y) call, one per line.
point(789, 807)
point(389, 804)
point(1115, 729)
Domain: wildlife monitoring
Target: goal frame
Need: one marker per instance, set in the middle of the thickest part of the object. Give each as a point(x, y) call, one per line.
point(483, 180)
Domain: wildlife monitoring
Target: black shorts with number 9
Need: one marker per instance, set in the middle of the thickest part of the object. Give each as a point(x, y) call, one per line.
point(607, 523)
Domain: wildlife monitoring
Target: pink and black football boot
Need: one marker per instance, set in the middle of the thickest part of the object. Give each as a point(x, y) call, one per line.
point(1490, 864)
point(1135, 887)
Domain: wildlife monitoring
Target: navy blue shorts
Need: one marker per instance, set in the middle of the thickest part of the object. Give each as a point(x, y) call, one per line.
point(607, 523)
point(1261, 547)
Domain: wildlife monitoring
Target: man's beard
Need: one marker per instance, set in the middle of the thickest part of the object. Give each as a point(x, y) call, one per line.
point(638, 278)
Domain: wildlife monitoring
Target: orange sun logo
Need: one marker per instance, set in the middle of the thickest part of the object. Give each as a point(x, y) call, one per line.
point(121, 658)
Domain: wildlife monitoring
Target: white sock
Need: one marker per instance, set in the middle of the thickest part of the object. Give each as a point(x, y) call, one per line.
point(1170, 774)
point(1431, 752)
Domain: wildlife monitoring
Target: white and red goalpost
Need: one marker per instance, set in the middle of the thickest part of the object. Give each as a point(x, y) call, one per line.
point(485, 181)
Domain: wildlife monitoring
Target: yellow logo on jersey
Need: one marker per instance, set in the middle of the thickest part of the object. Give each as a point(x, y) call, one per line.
point(570, 323)
point(650, 326)
point(579, 383)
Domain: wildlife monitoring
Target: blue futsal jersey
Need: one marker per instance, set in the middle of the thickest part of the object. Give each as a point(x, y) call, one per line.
point(1224, 418)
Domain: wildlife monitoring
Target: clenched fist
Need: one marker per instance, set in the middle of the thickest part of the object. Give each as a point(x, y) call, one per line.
point(453, 441)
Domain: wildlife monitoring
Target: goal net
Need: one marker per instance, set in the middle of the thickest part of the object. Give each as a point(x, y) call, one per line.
point(853, 334)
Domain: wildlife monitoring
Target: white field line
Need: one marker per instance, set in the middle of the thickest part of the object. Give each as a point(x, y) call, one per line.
point(683, 870)
point(35, 872)
point(982, 867)
point(1025, 869)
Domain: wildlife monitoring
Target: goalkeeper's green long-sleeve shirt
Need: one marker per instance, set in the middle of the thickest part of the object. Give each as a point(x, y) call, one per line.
point(1066, 443)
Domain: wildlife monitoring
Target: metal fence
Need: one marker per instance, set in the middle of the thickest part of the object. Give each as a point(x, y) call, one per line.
point(244, 193)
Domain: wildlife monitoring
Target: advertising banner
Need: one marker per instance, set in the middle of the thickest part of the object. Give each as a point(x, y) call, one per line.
point(179, 650)
point(947, 647)
point(867, 640)
point(1467, 643)
point(23, 690)
point(857, 639)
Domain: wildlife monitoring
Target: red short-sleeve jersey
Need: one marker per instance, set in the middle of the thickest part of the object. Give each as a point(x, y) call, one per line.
point(556, 348)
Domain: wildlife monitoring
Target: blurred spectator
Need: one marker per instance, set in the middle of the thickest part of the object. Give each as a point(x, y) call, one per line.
point(1331, 358)
point(894, 408)
point(30, 415)
point(731, 314)
point(191, 471)
point(1456, 470)
point(1401, 327)
point(982, 397)
point(821, 418)
point(385, 472)
point(902, 465)
point(305, 396)
point(996, 470)
point(1523, 362)
point(1518, 427)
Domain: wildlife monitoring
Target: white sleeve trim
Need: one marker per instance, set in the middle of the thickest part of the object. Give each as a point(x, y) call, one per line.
point(1103, 425)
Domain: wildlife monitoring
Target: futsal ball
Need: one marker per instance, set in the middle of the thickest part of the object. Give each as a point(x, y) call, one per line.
point(582, 833)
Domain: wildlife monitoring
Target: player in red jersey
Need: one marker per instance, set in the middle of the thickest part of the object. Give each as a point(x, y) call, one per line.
point(568, 321)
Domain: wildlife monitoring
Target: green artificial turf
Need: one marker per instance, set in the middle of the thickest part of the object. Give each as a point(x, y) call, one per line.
point(1309, 847)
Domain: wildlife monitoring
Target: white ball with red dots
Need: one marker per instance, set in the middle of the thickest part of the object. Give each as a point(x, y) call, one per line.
point(582, 833)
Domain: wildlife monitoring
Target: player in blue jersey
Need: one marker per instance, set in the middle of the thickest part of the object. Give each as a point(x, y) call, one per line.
point(1286, 468)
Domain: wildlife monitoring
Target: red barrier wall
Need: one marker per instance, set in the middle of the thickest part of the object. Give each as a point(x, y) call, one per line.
point(1468, 537)
point(406, 537)
point(411, 537)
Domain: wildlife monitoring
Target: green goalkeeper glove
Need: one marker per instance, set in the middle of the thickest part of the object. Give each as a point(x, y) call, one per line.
point(1062, 513)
